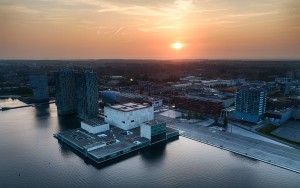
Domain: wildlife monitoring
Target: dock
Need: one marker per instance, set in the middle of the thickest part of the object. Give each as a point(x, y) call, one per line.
point(110, 144)
point(25, 106)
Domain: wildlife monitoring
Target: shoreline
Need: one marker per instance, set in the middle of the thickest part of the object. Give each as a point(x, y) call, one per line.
point(240, 153)
point(281, 156)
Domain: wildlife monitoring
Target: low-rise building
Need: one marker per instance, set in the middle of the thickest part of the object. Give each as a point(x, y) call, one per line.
point(224, 83)
point(209, 105)
point(278, 117)
point(95, 125)
point(154, 130)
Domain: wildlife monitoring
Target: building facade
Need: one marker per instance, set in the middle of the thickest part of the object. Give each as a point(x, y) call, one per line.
point(202, 105)
point(154, 130)
point(250, 103)
point(39, 86)
point(94, 125)
point(279, 117)
point(114, 97)
point(65, 88)
point(129, 115)
point(87, 94)
point(77, 93)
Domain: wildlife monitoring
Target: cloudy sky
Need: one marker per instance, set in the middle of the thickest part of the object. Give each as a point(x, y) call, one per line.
point(72, 29)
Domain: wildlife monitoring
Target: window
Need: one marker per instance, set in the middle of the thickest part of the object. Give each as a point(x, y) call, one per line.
point(132, 120)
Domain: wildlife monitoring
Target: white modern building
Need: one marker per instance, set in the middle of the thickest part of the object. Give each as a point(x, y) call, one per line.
point(129, 115)
point(94, 125)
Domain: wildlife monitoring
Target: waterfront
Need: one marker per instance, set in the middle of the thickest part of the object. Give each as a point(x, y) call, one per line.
point(270, 152)
point(31, 157)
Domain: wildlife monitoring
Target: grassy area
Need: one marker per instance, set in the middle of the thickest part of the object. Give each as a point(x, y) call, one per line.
point(267, 129)
point(286, 140)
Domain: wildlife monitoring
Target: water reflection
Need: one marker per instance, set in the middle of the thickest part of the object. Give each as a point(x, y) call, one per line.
point(68, 122)
point(41, 111)
point(154, 154)
point(246, 177)
point(65, 150)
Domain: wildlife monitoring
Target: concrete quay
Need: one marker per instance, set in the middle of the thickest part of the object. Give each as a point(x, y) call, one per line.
point(25, 106)
point(281, 156)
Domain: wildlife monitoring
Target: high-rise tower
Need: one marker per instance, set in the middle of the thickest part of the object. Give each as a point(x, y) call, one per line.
point(66, 92)
point(77, 92)
point(250, 103)
point(39, 85)
point(87, 94)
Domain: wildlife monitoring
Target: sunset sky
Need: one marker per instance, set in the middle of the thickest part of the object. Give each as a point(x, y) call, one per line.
point(168, 29)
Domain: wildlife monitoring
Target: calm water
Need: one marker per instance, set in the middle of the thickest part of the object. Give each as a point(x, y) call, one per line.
point(31, 157)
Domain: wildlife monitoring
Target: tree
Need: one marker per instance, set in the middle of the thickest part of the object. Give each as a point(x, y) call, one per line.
point(225, 122)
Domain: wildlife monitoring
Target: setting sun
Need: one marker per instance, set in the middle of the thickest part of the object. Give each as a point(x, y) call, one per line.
point(177, 45)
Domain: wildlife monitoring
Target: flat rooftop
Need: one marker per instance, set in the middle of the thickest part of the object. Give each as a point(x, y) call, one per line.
point(82, 138)
point(131, 106)
point(154, 122)
point(113, 140)
point(94, 122)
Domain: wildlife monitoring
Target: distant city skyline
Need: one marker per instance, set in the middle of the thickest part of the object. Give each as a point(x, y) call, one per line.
point(133, 29)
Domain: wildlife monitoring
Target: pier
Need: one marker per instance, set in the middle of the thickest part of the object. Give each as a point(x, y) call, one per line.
point(110, 144)
point(25, 106)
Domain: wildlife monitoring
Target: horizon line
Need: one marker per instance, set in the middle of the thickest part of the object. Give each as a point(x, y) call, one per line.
point(151, 59)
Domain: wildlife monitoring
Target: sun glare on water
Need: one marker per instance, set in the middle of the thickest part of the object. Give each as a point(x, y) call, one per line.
point(177, 45)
